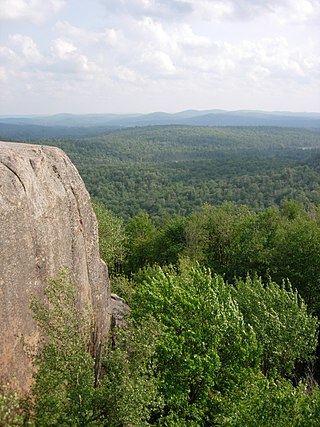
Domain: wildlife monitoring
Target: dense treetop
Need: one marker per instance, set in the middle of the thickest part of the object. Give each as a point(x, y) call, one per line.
point(176, 169)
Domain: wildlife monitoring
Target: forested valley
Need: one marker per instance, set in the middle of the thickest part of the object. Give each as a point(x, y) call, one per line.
point(175, 169)
point(212, 236)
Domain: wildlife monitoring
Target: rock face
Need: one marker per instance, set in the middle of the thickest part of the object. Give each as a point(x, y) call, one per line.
point(119, 309)
point(46, 223)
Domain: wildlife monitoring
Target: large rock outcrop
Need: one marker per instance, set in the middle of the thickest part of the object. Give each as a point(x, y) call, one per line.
point(46, 223)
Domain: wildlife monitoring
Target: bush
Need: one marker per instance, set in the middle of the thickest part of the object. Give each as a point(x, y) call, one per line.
point(263, 402)
point(286, 332)
point(217, 340)
point(12, 411)
point(129, 395)
point(66, 392)
point(65, 377)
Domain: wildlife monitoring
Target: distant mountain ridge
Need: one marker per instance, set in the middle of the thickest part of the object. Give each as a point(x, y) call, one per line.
point(90, 124)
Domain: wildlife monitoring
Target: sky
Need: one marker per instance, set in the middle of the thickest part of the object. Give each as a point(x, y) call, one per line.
point(141, 56)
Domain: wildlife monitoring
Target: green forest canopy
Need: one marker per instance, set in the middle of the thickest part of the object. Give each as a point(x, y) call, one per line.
point(176, 169)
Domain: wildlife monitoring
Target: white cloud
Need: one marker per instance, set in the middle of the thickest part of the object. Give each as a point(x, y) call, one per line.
point(265, 61)
point(73, 32)
point(125, 74)
point(215, 10)
point(183, 35)
point(280, 59)
point(35, 11)
point(67, 58)
point(26, 47)
point(154, 30)
point(23, 61)
point(3, 74)
point(7, 55)
point(166, 9)
point(188, 51)
point(19, 56)
point(157, 63)
point(298, 11)
point(63, 49)
point(283, 10)
point(85, 37)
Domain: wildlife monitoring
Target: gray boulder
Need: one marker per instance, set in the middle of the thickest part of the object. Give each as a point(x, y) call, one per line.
point(46, 223)
point(119, 310)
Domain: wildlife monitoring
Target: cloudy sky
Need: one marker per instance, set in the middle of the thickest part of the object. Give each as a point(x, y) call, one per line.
point(121, 56)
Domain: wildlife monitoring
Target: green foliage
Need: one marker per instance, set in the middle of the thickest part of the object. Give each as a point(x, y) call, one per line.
point(205, 341)
point(66, 393)
point(12, 411)
point(210, 234)
point(297, 256)
point(213, 343)
point(122, 286)
point(170, 241)
point(112, 238)
point(128, 395)
point(232, 240)
point(266, 402)
point(196, 352)
point(252, 244)
point(281, 243)
point(285, 331)
point(176, 169)
point(291, 209)
point(64, 379)
point(154, 242)
point(142, 233)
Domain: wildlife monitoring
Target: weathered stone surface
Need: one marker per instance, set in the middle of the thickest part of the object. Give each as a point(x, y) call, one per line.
point(119, 310)
point(46, 223)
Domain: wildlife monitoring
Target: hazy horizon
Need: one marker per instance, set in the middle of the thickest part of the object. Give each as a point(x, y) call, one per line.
point(62, 113)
